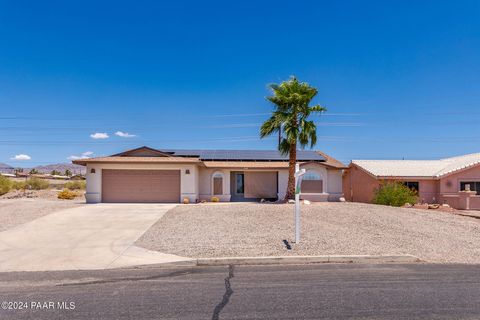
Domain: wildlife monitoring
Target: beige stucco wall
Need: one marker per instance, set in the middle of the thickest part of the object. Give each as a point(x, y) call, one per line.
point(188, 182)
point(205, 176)
point(282, 183)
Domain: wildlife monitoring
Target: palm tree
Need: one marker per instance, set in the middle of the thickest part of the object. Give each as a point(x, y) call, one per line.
point(290, 119)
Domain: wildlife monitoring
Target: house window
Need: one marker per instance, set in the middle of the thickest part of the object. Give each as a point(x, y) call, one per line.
point(414, 185)
point(474, 186)
point(312, 182)
point(311, 175)
point(217, 183)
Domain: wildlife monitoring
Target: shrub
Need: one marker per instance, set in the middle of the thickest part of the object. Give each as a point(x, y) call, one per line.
point(215, 199)
point(76, 185)
point(5, 185)
point(66, 194)
point(18, 185)
point(36, 184)
point(394, 194)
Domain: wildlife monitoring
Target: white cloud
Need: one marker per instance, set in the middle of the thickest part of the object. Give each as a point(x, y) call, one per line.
point(84, 155)
point(124, 134)
point(99, 135)
point(21, 157)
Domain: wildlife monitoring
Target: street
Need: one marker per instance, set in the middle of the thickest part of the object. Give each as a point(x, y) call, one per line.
point(328, 291)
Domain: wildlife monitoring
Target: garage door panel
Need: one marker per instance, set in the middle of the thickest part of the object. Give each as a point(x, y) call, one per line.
point(140, 185)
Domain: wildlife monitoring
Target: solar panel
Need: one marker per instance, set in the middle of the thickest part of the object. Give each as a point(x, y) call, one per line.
point(252, 155)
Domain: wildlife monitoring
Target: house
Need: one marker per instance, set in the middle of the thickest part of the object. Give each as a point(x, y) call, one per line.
point(444, 181)
point(150, 175)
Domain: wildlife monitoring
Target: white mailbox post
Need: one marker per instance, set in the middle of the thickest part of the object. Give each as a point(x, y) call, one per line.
point(298, 179)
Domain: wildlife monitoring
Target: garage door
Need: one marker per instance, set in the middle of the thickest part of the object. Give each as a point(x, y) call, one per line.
point(140, 185)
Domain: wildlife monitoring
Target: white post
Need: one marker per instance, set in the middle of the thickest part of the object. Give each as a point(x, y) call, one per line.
point(298, 174)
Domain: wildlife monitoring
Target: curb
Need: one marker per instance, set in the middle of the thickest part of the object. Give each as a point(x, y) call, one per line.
point(285, 260)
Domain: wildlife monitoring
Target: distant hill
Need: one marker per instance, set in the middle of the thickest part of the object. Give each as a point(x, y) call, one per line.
point(74, 168)
point(6, 168)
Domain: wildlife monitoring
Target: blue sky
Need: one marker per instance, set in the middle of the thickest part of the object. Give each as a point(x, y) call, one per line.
point(400, 79)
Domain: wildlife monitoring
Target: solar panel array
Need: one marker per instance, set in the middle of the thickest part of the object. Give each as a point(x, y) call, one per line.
point(250, 155)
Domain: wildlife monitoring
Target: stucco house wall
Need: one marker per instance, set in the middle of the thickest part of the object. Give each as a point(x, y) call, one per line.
point(450, 186)
point(205, 184)
point(358, 185)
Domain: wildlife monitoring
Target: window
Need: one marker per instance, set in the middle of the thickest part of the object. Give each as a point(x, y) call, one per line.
point(312, 182)
point(474, 186)
point(218, 183)
point(412, 185)
point(311, 175)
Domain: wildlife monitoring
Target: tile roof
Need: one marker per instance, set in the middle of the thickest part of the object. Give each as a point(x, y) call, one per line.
point(418, 168)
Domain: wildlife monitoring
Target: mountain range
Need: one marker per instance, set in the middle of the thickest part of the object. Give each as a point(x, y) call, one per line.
point(74, 168)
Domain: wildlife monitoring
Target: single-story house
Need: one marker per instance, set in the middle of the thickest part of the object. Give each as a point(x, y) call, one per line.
point(150, 175)
point(453, 181)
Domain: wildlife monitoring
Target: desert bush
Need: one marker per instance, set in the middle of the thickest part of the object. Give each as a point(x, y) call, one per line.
point(394, 194)
point(36, 184)
point(215, 199)
point(76, 185)
point(18, 185)
point(66, 194)
point(5, 185)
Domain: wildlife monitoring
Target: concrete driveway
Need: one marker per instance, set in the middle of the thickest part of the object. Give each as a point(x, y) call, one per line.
point(96, 236)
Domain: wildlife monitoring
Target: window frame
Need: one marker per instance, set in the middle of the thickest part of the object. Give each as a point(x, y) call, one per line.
point(474, 185)
point(408, 185)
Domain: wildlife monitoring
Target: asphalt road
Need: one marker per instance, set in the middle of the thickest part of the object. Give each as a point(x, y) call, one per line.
point(330, 291)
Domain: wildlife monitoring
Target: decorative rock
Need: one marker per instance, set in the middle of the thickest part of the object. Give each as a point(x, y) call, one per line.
point(342, 199)
point(291, 201)
point(306, 202)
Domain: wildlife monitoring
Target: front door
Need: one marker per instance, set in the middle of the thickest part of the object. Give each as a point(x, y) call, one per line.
point(239, 184)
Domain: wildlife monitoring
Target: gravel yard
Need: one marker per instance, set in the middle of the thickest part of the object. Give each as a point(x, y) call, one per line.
point(215, 230)
point(14, 212)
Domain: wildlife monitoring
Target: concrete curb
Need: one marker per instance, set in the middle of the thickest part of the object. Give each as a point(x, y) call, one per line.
point(285, 260)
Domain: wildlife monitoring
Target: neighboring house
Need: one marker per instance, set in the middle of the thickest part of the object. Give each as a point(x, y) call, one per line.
point(443, 181)
point(149, 175)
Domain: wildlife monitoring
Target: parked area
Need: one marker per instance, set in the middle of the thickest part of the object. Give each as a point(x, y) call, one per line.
point(248, 229)
point(14, 212)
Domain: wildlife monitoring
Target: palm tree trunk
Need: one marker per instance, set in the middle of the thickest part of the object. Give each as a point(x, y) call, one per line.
point(291, 172)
